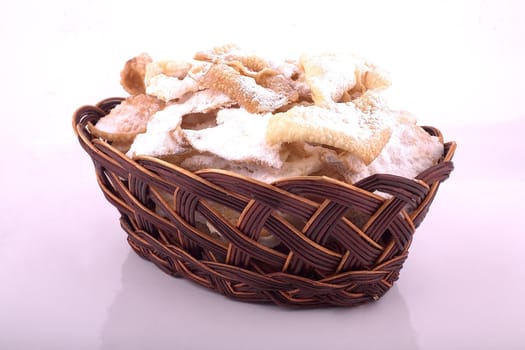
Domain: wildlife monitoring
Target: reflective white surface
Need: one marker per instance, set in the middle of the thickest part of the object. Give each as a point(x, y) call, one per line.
point(68, 280)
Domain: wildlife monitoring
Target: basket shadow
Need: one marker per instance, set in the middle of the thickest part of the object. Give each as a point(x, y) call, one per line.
point(154, 310)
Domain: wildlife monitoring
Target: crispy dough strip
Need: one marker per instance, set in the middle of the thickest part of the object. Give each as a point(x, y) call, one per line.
point(328, 76)
point(171, 80)
point(347, 128)
point(254, 98)
point(254, 67)
point(238, 66)
point(170, 88)
point(120, 137)
point(232, 55)
point(277, 82)
point(376, 78)
point(295, 166)
point(254, 63)
point(177, 69)
point(368, 77)
point(132, 75)
point(164, 137)
point(270, 79)
point(336, 77)
point(237, 127)
point(216, 52)
point(127, 119)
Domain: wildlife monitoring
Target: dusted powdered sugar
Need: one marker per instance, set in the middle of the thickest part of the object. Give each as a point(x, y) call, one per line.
point(163, 135)
point(170, 88)
point(345, 127)
point(329, 76)
point(239, 137)
point(264, 99)
point(244, 89)
point(332, 76)
point(409, 151)
point(131, 116)
point(310, 163)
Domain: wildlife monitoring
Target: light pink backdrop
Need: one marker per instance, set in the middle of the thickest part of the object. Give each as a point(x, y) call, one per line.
point(67, 277)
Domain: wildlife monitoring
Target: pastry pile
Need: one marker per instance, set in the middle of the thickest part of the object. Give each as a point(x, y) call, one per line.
point(229, 108)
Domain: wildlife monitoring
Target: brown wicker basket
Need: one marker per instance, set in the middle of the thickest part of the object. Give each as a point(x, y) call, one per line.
point(325, 257)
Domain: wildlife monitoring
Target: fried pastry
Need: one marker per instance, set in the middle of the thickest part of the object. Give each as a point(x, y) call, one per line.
point(127, 119)
point(133, 74)
point(228, 108)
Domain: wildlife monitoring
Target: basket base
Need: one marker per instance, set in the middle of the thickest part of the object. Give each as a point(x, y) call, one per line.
point(247, 286)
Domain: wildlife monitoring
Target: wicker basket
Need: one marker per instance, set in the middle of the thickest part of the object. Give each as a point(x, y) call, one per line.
point(325, 257)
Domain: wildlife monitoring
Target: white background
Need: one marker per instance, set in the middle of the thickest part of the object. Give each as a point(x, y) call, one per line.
point(68, 280)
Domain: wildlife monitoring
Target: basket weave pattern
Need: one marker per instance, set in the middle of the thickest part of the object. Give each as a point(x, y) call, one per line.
point(340, 244)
